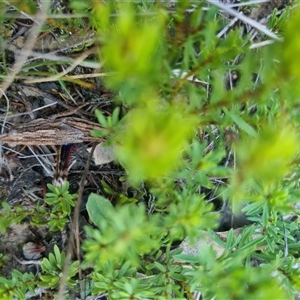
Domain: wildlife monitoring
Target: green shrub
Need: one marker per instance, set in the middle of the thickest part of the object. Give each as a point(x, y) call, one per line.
point(188, 126)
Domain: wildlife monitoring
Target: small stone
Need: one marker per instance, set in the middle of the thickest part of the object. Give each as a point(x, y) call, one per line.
point(103, 154)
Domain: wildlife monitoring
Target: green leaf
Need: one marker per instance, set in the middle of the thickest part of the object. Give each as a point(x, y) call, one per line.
point(65, 188)
point(46, 266)
point(230, 240)
point(270, 244)
point(58, 257)
point(216, 238)
point(101, 119)
point(107, 188)
point(241, 123)
point(124, 269)
point(115, 115)
point(251, 245)
point(265, 216)
point(247, 232)
point(51, 188)
point(99, 207)
point(160, 267)
point(52, 260)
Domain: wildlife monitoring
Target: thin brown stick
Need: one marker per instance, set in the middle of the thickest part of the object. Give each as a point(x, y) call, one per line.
point(75, 234)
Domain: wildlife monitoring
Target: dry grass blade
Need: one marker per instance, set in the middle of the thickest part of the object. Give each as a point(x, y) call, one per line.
point(245, 19)
point(79, 60)
point(40, 19)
